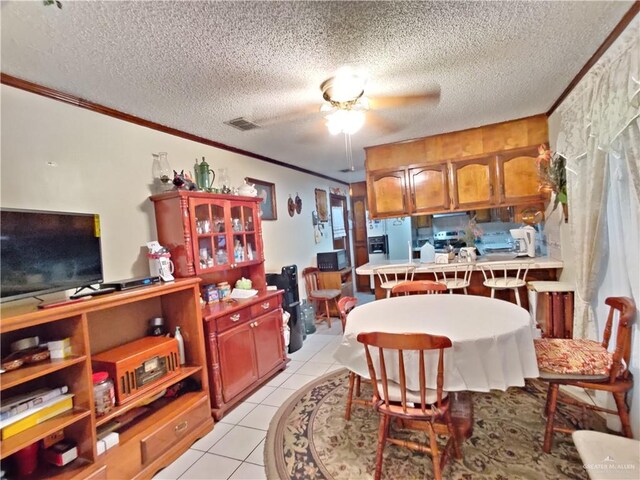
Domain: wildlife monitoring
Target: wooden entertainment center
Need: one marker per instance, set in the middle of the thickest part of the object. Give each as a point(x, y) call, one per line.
point(169, 426)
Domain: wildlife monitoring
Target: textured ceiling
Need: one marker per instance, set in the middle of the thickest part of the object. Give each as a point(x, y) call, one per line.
point(194, 65)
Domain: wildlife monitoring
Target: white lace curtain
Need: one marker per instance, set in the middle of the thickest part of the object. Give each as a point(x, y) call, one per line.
point(601, 116)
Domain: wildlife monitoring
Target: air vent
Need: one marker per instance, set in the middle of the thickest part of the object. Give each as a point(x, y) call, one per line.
point(242, 124)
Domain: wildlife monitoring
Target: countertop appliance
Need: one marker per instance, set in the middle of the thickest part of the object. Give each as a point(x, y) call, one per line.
point(448, 237)
point(332, 261)
point(525, 241)
point(378, 250)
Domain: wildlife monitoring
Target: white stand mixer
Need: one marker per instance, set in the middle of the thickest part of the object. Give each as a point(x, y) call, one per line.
point(525, 238)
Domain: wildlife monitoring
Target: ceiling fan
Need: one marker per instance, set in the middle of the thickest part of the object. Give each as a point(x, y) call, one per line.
point(346, 107)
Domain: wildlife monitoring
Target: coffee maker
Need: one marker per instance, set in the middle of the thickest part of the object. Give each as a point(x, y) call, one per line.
point(525, 241)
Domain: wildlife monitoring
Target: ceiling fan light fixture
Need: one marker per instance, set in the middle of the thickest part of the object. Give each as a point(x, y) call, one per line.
point(345, 121)
point(345, 87)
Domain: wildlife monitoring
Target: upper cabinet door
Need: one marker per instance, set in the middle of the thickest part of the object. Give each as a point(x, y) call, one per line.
point(473, 183)
point(519, 176)
point(387, 194)
point(210, 229)
point(429, 188)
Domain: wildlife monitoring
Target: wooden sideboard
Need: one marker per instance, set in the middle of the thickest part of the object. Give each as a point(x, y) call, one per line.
point(245, 346)
point(484, 167)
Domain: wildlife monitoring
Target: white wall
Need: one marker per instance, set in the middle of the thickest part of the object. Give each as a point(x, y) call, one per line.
point(103, 165)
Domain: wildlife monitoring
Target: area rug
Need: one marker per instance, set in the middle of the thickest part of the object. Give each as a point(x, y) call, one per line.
point(309, 438)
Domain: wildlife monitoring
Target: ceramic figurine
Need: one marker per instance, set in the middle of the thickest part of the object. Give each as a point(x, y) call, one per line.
point(182, 181)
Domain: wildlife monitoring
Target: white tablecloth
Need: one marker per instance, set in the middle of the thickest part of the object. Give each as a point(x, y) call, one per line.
point(492, 339)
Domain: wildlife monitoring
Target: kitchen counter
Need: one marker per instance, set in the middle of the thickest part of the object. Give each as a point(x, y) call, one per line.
point(541, 269)
point(536, 263)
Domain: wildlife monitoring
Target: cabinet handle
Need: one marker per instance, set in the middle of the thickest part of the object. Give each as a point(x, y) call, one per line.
point(491, 189)
point(181, 426)
point(265, 305)
point(235, 317)
point(502, 190)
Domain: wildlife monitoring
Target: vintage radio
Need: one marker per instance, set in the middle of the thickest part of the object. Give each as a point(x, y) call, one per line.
point(136, 366)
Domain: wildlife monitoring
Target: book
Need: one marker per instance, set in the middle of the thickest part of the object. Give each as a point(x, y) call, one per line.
point(38, 415)
point(20, 403)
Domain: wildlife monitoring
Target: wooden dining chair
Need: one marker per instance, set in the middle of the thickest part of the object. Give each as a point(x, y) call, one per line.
point(345, 305)
point(591, 365)
point(318, 295)
point(418, 287)
point(425, 409)
point(455, 276)
point(391, 275)
point(513, 276)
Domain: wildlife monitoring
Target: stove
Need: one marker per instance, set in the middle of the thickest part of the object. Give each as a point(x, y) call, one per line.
point(448, 237)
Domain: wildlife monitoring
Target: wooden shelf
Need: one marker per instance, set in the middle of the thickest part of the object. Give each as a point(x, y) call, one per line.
point(185, 371)
point(31, 372)
point(38, 432)
point(52, 472)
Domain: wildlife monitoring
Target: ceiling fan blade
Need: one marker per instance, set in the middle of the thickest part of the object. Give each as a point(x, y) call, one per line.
point(383, 102)
point(300, 114)
point(381, 124)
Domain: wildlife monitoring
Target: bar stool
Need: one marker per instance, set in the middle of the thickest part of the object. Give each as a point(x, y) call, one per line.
point(505, 281)
point(454, 276)
point(392, 275)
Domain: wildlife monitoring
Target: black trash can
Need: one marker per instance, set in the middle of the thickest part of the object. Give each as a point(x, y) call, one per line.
point(287, 280)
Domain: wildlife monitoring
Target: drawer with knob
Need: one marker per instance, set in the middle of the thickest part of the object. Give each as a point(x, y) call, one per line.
point(231, 320)
point(172, 432)
point(265, 306)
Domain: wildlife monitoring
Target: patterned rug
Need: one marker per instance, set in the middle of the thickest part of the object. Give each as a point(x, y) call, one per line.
point(309, 439)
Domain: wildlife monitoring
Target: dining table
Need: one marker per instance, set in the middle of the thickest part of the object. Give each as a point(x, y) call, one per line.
point(492, 340)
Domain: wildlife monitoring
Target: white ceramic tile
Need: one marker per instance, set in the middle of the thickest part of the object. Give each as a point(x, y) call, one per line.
point(312, 368)
point(335, 367)
point(317, 339)
point(303, 354)
point(211, 467)
point(297, 381)
point(324, 356)
point(259, 417)
point(278, 379)
point(293, 366)
point(209, 440)
point(179, 466)
point(278, 397)
point(248, 471)
point(235, 415)
point(260, 394)
point(257, 456)
point(238, 443)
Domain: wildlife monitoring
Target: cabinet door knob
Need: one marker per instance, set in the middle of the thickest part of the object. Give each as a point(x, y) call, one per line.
point(181, 426)
point(235, 317)
point(265, 305)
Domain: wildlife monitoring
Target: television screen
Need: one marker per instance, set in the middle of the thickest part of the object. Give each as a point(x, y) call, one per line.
point(43, 252)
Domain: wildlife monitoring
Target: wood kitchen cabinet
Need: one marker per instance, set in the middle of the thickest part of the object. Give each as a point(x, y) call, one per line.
point(429, 188)
point(208, 233)
point(518, 175)
point(473, 183)
point(386, 192)
point(245, 346)
point(484, 167)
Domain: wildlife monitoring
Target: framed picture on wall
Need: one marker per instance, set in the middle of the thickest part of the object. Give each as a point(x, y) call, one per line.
point(321, 205)
point(266, 191)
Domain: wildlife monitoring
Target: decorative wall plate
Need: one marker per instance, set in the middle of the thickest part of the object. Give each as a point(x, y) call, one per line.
point(291, 206)
point(298, 204)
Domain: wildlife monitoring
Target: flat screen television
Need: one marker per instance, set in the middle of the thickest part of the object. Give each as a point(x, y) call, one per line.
point(44, 252)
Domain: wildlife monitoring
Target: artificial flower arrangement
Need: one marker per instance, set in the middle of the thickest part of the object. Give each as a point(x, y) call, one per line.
point(553, 174)
point(472, 232)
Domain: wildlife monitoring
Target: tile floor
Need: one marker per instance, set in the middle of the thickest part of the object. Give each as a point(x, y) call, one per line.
point(234, 449)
